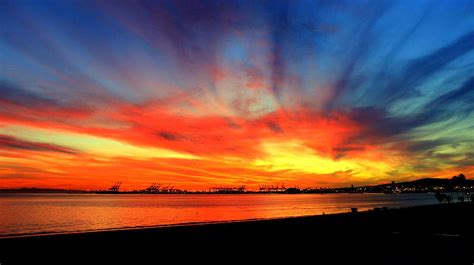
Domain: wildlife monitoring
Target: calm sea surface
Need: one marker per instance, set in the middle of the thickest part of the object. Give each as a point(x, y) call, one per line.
point(52, 213)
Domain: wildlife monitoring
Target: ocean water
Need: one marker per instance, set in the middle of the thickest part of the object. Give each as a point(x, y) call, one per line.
point(22, 214)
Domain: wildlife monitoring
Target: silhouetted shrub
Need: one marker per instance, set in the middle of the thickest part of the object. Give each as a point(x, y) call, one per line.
point(440, 197)
point(448, 198)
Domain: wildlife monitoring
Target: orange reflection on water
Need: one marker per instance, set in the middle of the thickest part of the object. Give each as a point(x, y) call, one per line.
point(46, 213)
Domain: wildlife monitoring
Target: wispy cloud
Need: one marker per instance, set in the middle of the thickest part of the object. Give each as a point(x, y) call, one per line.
point(8, 142)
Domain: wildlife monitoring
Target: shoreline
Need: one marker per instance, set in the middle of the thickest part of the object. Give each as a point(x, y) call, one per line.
point(204, 193)
point(440, 233)
point(186, 224)
point(189, 224)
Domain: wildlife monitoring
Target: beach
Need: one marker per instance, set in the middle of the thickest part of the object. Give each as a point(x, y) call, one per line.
point(432, 234)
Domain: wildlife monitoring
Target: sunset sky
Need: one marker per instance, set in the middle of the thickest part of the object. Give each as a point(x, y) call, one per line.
point(205, 93)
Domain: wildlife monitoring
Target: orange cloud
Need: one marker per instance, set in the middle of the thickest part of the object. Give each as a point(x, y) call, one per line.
point(301, 147)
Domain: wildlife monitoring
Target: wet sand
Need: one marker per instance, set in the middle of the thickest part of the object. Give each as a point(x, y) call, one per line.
point(434, 234)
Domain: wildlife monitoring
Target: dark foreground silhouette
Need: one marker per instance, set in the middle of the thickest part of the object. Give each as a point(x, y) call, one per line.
point(435, 234)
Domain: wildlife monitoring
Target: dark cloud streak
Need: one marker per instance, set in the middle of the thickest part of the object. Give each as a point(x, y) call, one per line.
point(9, 142)
point(12, 93)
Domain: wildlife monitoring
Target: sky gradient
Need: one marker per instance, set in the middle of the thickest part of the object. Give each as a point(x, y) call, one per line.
point(204, 93)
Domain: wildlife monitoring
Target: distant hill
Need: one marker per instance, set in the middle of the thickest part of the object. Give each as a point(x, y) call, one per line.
point(431, 182)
